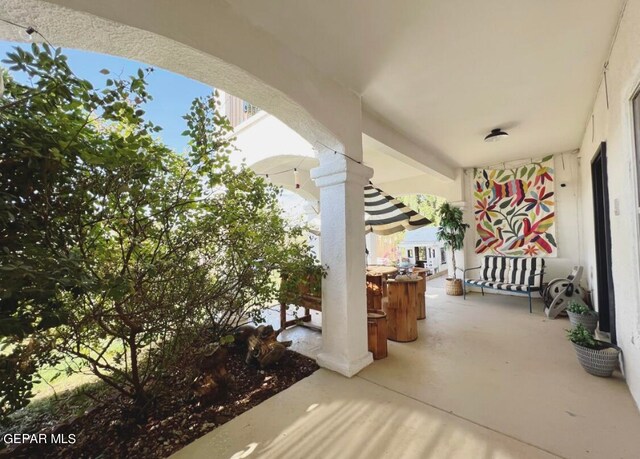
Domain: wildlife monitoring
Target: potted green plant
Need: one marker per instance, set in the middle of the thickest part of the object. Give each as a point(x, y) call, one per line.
point(301, 285)
point(451, 232)
point(596, 357)
point(579, 313)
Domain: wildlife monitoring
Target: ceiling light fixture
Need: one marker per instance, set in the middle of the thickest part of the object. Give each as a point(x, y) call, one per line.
point(495, 135)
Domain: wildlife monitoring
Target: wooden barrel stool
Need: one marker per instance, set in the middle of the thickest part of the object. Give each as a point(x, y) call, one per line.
point(401, 309)
point(377, 333)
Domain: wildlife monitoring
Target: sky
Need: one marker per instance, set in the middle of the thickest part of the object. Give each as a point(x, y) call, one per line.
point(172, 93)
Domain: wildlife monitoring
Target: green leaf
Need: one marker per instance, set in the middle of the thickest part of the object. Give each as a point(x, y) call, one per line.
point(227, 339)
point(551, 239)
point(532, 169)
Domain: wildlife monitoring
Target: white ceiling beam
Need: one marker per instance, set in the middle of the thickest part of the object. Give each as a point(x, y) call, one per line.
point(406, 150)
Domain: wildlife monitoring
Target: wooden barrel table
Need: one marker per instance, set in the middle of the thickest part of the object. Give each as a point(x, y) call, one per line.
point(375, 291)
point(422, 290)
point(379, 269)
point(421, 305)
point(401, 309)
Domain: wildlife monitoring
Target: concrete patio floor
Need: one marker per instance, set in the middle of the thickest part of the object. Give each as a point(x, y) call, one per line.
point(484, 379)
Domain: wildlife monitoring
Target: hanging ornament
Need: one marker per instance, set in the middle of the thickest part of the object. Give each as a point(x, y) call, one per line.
point(296, 178)
point(27, 33)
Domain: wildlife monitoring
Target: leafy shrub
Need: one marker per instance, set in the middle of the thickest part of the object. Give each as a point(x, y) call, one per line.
point(578, 308)
point(581, 336)
point(301, 277)
point(116, 251)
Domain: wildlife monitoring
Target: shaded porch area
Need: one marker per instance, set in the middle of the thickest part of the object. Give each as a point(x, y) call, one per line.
point(484, 379)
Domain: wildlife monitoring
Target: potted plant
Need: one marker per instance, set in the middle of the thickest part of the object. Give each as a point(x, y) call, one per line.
point(579, 313)
point(596, 357)
point(301, 285)
point(451, 232)
point(302, 282)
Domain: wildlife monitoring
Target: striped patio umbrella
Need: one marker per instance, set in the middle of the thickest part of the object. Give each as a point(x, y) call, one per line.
point(384, 214)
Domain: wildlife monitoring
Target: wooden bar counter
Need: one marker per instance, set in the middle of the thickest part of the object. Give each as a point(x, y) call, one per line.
point(401, 309)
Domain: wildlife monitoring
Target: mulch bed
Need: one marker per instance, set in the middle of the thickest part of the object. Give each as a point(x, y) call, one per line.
point(177, 419)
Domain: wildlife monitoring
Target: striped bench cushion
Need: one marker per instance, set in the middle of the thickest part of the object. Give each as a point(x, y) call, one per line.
point(521, 268)
point(500, 285)
point(480, 282)
point(494, 268)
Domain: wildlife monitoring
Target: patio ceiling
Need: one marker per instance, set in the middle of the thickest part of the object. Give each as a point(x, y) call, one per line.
point(445, 72)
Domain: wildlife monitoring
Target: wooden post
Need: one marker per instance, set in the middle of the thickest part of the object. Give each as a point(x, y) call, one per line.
point(402, 318)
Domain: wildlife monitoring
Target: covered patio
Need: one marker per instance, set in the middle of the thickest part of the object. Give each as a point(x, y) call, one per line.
point(406, 96)
point(484, 379)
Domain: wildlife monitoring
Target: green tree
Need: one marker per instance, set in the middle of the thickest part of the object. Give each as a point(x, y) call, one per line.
point(48, 137)
point(425, 204)
point(156, 248)
point(451, 231)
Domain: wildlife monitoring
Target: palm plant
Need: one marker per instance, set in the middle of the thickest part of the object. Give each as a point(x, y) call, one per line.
point(451, 230)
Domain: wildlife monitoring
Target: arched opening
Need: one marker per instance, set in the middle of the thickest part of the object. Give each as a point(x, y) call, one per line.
point(191, 55)
point(212, 43)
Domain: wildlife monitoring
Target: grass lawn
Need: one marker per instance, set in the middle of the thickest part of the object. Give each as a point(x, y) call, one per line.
point(72, 396)
point(58, 395)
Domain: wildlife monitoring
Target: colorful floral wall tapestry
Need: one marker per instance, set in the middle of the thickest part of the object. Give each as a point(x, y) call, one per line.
point(515, 210)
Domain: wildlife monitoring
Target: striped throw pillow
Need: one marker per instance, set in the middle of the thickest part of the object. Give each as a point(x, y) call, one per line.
point(494, 268)
point(521, 268)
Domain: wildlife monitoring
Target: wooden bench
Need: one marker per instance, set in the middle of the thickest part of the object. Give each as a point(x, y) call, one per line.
point(301, 296)
point(521, 275)
point(308, 302)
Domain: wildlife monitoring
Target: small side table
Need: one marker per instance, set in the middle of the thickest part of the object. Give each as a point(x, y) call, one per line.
point(401, 309)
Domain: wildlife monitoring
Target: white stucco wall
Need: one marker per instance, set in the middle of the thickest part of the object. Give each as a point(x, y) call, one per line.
point(614, 125)
point(267, 145)
point(451, 190)
point(210, 42)
point(263, 136)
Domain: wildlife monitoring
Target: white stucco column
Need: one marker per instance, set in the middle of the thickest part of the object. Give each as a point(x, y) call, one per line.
point(372, 245)
point(344, 311)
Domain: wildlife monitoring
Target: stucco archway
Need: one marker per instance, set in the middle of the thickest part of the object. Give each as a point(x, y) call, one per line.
point(205, 41)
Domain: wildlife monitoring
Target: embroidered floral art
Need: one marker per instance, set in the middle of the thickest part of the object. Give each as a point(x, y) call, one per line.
point(515, 210)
